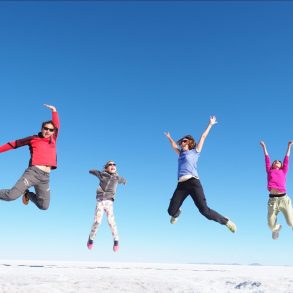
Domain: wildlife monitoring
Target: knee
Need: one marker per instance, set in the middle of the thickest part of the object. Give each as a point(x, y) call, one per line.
point(10, 198)
point(271, 225)
point(12, 194)
point(171, 212)
point(290, 223)
point(44, 206)
point(174, 213)
point(205, 211)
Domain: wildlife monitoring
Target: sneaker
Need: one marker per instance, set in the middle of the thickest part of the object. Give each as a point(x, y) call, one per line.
point(275, 234)
point(90, 244)
point(173, 220)
point(116, 246)
point(25, 198)
point(231, 226)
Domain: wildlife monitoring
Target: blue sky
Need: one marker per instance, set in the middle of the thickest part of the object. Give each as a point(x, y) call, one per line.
point(122, 73)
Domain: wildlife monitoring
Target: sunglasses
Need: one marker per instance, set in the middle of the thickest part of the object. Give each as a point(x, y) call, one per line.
point(184, 140)
point(111, 164)
point(50, 129)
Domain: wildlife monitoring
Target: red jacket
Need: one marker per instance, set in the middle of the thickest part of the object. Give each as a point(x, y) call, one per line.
point(43, 150)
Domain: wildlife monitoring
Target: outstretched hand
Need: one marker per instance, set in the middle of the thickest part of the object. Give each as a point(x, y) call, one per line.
point(262, 143)
point(290, 143)
point(168, 135)
point(52, 108)
point(213, 120)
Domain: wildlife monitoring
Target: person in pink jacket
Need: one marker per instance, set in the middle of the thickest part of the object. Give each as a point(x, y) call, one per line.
point(279, 201)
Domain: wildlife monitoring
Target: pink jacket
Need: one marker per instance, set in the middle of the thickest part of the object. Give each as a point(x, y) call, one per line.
point(277, 177)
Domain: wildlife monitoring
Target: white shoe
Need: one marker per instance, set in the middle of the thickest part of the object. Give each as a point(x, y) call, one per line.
point(275, 234)
point(173, 220)
point(231, 226)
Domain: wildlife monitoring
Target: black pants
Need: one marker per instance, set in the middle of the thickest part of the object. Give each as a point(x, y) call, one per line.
point(193, 188)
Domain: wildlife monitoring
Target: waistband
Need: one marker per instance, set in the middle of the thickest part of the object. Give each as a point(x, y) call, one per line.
point(38, 170)
point(277, 195)
point(105, 199)
point(186, 178)
point(189, 181)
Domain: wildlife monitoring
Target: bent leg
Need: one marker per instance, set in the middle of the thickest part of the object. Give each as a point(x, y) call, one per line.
point(40, 180)
point(199, 200)
point(287, 210)
point(42, 196)
point(177, 199)
point(99, 211)
point(108, 207)
point(19, 188)
point(272, 213)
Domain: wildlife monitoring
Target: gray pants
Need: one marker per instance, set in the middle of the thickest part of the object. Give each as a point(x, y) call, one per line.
point(35, 177)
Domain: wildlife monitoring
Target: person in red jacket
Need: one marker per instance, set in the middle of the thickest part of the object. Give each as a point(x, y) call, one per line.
point(43, 159)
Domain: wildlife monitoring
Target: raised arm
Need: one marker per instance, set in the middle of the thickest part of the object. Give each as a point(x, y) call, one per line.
point(55, 117)
point(267, 158)
point(286, 159)
point(172, 142)
point(289, 148)
point(263, 145)
point(203, 137)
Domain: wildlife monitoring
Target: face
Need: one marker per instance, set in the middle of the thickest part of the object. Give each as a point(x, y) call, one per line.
point(111, 167)
point(276, 164)
point(48, 130)
point(184, 144)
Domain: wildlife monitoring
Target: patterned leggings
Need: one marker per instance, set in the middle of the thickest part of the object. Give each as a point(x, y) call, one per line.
point(107, 206)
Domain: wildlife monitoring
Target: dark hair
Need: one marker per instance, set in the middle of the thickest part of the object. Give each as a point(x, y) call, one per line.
point(277, 161)
point(48, 122)
point(191, 142)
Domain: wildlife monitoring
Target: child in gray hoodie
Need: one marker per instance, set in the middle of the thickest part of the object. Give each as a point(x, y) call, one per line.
point(109, 179)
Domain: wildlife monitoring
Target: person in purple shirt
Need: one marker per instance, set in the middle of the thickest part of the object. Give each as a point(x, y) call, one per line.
point(279, 201)
point(188, 180)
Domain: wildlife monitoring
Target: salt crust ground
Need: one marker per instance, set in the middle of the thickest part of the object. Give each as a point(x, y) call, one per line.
point(52, 277)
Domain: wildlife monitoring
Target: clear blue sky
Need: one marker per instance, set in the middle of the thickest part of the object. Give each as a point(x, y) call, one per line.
point(122, 73)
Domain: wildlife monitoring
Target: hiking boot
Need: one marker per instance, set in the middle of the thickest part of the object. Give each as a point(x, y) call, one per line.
point(173, 220)
point(116, 246)
point(275, 234)
point(25, 197)
point(231, 226)
point(90, 244)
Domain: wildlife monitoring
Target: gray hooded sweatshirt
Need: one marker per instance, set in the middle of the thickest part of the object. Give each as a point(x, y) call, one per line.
point(108, 184)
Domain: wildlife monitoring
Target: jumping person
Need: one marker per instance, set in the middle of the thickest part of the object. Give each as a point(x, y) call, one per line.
point(43, 160)
point(188, 179)
point(279, 201)
point(109, 179)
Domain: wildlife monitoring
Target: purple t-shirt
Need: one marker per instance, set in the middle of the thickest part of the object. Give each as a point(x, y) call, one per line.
point(187, 163)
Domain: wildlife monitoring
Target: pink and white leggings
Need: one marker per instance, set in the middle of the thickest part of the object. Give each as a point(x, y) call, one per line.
point(104, 206)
